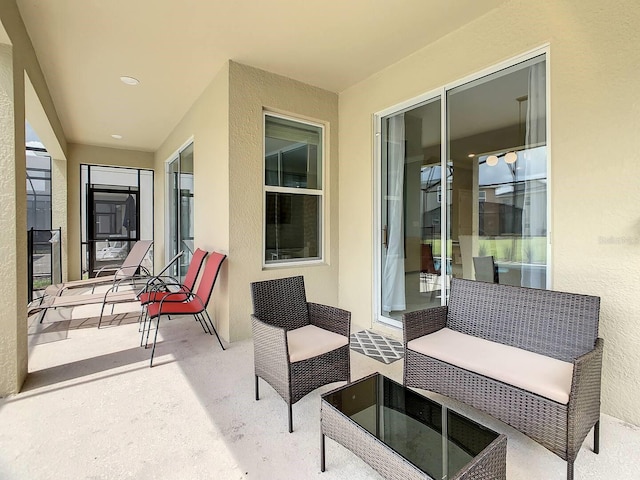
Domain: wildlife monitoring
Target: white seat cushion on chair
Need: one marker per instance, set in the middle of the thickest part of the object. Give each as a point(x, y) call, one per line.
point(542, 375)
point(310, 341)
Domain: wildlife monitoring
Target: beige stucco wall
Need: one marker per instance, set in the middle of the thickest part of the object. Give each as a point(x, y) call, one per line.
point(20, 70)
point(595, 230)
point(13, 225)
point(40, 109)
point(225, 124)
point(206, 124)
point(251, 90)
point(79, 154)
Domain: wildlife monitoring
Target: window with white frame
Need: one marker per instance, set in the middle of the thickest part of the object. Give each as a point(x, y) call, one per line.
point(293, 190)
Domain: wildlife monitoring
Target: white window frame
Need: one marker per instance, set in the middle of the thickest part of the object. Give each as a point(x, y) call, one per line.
point(296, 191)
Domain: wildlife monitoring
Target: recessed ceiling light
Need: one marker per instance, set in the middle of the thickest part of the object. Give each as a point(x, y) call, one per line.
point(130, 80)
point(116, 136)
point(471, 155)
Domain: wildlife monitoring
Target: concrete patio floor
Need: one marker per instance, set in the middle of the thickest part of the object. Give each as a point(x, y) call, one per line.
point(92, 408)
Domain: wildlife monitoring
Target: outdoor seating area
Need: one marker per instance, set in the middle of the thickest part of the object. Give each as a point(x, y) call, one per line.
point(344, 240)
point(153, 296)
point(300, 347)
point(102, 413)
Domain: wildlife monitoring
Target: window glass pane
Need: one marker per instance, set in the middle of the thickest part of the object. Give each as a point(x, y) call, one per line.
point(293, 162)
point(292, 227)
point(293, 153)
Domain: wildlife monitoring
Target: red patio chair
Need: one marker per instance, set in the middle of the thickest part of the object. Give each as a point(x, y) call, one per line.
point(196, 303)
point(170, 285)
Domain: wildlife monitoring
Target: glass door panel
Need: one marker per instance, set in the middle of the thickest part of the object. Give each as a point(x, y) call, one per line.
point(496, 141)
point(411, 266)
point(180, 204)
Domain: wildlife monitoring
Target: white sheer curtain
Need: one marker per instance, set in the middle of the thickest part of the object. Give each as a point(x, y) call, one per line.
point(393, 288)
point(534, 207)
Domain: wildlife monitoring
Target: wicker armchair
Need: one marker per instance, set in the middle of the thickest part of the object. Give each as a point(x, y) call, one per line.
point(298, 345)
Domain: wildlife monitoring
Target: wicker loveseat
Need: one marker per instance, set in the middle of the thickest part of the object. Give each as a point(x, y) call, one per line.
point(531, 358)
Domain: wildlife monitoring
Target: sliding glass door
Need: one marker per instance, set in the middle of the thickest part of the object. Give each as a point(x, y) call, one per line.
point(463, 189)
point(180, 208)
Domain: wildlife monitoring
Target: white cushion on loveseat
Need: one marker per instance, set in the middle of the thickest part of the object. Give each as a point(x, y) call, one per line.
point(530, 371)
point(310, 341)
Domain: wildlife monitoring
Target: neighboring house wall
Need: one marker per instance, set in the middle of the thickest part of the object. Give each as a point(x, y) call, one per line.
point(91, 155)
point(595, 232)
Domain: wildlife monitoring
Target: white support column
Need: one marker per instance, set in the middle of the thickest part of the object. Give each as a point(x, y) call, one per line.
point(13, 226)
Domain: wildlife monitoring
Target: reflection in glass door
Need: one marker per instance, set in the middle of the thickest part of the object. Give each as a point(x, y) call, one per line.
point(481, 213)
point(497, 146)
point(180, 208)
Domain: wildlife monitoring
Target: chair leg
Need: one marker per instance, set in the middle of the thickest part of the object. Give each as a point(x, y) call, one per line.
point(257, 393)
point(144, 327)
point(199, 319)
point(101, 313)
point(290, 418)
point(155, 337)
point(141, 319)
point(596, 437)
point(214, 329)
point(206, 324)
point(146, 342)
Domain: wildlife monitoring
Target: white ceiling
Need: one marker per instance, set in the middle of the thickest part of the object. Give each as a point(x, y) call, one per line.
point(175, 47)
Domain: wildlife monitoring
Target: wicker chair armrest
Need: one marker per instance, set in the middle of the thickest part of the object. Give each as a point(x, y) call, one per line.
point(587, 375)
point(584, 398)
point(588, 367)
point(270, 346)
point(423, 322)
point(330, 318)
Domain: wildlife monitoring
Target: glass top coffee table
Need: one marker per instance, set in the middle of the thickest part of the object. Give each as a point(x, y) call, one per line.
point(404, 435)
